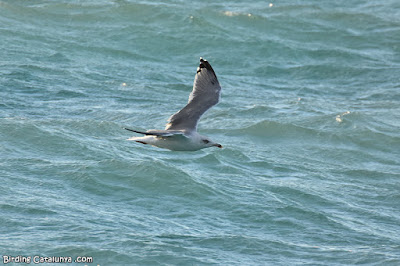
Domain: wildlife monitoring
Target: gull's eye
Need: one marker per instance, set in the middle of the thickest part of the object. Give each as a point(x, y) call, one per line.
point(206, 141)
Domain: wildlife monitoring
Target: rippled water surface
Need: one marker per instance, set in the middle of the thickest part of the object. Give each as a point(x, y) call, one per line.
point(309, 119)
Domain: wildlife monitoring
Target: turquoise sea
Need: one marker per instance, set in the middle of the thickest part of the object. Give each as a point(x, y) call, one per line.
point(309, 119)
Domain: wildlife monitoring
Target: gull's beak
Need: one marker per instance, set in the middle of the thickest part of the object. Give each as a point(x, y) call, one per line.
point(218, 145)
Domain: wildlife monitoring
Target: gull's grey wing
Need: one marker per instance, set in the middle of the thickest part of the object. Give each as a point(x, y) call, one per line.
point(205, 94)
point(159, 133)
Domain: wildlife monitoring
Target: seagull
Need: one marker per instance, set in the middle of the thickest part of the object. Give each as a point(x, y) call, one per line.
point(180, 133)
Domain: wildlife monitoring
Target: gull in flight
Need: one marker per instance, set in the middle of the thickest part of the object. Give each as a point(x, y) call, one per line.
point(180, 133)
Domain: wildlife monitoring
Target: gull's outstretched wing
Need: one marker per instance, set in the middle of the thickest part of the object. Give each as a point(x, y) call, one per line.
point(205, 94)
point(158, 133)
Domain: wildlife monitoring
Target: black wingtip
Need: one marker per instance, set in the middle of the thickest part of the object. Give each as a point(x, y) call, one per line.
point(204, 64)
point(133, 130)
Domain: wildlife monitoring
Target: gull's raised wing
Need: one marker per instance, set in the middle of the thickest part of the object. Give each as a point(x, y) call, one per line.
point(205, 94)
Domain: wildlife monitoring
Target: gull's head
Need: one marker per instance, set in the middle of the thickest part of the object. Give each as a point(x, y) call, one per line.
point(209, 143)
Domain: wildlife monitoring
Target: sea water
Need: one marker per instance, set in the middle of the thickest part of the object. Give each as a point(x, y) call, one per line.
point(309, 119)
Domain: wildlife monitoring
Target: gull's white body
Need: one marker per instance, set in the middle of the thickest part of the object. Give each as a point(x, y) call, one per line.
point(177, 142)
point(180, 133)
